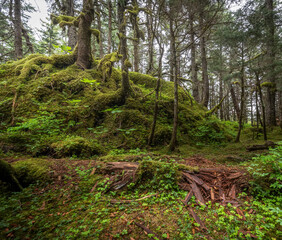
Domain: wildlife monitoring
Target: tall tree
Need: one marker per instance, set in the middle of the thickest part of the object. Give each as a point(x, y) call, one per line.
point(18, 29)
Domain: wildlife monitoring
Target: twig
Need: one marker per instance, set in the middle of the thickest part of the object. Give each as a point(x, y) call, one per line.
point(133, 200)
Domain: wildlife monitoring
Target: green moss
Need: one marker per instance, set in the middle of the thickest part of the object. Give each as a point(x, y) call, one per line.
point(76, 146)
point(7, 175)
point(105, 65)
point(32, 170)
point(96, 33)
point(62, 61)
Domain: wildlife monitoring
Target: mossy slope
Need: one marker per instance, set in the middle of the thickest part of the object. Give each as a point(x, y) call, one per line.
point(49, 98)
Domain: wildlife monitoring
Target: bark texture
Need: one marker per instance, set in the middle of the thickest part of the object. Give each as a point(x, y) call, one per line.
point(84, 57)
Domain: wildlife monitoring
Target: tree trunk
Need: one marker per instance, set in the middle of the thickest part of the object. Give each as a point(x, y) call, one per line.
point(149, 24)
point(234, 100)
point(242, 105)
point(156, 107)
point(72, 34)
point(110, 9)
point(125, 86)
point(99, 23)
point(84, 57)
point(27, 40)
point(194, 74)
point(262, 106)
point(18, 30)
point(205, 77)
point(173, 140)
point(270, 46)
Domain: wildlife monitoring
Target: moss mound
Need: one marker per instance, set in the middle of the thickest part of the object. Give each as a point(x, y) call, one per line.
point(32, 171)
point(43, 97)
point(76, 146)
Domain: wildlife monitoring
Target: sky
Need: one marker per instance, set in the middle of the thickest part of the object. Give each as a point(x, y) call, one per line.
point(40, 13)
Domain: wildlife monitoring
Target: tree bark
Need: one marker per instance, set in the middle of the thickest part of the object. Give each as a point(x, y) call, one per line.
point(270, 46)
point(84, 57)
point(72, 33)
point(18, 30)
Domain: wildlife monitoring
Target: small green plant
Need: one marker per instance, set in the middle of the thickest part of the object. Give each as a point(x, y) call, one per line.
point(63, 48)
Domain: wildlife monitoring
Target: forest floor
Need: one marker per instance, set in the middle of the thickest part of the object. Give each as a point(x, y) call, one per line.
point(80, 202)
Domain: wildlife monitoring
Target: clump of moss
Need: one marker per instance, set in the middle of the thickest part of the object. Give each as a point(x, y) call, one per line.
point(61, 61)
point(76, 146)
point(32, 171)
point(7, 175)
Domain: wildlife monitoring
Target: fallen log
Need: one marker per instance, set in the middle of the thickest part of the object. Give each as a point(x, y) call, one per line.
point(265, 146)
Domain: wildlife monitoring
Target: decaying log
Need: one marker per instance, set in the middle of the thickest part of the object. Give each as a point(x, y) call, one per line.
point(265, 146)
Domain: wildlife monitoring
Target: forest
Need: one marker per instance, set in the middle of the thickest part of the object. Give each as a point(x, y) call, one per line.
point(141, 119)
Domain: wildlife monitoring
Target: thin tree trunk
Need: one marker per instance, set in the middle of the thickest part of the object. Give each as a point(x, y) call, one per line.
point(18, 30)
point(194, 74)
point(110, 9)
point(270, 46)
point(205, 77)
point(84, 57)
point(149, 24)
point(173, 140)
point(262, 106)
point(27, 39)
point(99, 27)
point(234, 100)
point(242, 105)
point(125, 86)
point(156, 107)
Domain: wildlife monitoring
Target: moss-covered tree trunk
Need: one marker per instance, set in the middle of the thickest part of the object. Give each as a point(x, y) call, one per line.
point(125, 86)
point(84, 56)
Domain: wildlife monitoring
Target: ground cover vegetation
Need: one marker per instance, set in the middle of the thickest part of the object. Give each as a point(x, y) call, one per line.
point(141, 120)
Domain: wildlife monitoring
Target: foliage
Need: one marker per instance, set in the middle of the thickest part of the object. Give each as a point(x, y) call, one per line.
point(266, 171)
